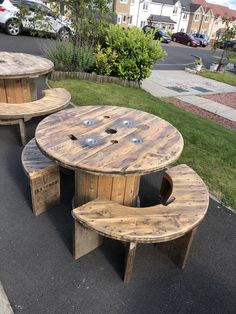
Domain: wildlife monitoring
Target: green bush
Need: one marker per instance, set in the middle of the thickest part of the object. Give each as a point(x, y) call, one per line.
point(67, 57)
point(128, 53)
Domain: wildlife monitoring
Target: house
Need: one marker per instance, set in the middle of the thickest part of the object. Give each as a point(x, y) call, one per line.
point(122, 10)
point(166, 14)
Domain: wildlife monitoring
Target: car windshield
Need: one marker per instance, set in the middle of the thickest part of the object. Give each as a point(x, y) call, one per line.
point(162, 32)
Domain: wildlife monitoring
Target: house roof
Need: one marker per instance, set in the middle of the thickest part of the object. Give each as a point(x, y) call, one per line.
point(188, 6)
point(218, 10)
point(161, 19)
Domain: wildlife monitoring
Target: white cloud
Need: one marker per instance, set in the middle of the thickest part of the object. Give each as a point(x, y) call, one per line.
point(229, 3)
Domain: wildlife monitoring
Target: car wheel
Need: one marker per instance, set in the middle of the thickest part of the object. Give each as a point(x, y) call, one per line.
point(64, 33)
point(189, 43)
point(13, 28)
point(174, 39)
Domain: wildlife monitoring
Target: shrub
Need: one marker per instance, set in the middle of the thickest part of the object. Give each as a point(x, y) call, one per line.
point(67, 57)
point(128, 53)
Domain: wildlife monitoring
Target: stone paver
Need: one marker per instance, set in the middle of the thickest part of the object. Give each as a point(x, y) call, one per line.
point(159, 82)
point(211, 106)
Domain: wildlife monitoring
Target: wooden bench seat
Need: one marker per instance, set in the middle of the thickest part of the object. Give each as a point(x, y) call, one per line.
point(44, 178)
point(53, 100)
point(172, 224)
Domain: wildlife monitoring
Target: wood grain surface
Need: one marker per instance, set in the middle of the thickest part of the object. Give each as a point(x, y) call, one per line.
point(53, 100)
point(109, 140)
point(150, 224)
point(19, 65)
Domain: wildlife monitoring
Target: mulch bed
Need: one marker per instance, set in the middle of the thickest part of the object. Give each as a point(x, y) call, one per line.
point(204, 113)
point(228, 99)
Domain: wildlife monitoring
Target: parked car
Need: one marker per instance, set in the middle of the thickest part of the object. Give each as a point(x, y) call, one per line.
point(48, 22)
point(159, 34)
point(186, 39)
point(203, 39)
point(231, 44)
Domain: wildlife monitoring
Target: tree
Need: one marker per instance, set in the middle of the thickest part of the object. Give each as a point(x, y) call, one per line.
point(228, 35)
point(89, 19)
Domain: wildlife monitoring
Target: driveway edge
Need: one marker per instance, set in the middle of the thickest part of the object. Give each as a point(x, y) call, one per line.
point(5, 307)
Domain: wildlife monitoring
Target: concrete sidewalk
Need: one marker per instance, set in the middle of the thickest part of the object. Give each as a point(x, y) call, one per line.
point(189, 88)
point(179, 83)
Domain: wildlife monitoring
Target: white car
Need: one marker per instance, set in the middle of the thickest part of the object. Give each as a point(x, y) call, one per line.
point(13, 24)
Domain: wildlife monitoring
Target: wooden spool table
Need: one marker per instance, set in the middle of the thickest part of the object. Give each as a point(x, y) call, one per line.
point(17, 77)
point(109, 148)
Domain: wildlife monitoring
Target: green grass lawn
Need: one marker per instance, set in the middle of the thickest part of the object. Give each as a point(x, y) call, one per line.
point(225, 77)
point(209, 149)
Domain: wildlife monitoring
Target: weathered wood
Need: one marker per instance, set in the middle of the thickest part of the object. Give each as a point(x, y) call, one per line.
point(19, 65)
point(109, 140)
point(173, 223)
point(53, 100)
point(129, 261)
point(155, 224)
point(44, 178)
point(22, 131)
point(85, 240)
point(178, 249)
point(121, 189)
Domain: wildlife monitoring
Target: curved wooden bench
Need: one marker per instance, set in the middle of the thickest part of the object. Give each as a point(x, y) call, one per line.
point(184, 204)
point(53, 100)
point(44, 177)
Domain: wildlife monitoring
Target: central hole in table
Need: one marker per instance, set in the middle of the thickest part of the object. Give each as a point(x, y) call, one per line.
point(111, 131)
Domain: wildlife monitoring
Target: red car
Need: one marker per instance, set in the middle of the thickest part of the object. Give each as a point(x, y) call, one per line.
point(186, 39)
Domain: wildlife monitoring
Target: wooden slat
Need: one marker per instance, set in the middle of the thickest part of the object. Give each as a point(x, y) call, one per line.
point(151, 224)
point(3, 97)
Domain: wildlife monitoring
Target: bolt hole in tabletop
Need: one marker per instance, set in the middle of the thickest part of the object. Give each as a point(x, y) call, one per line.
point(109, 148)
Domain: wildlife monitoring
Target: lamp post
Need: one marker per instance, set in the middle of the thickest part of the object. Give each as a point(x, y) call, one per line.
point(181, 12)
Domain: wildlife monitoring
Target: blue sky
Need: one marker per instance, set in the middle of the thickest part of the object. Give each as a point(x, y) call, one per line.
point(229, 3)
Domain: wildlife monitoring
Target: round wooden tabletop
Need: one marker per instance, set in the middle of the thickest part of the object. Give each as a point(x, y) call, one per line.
point(21, 65)
point(109, 140)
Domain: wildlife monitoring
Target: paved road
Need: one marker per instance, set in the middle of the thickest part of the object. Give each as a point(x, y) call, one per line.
point(178, 56)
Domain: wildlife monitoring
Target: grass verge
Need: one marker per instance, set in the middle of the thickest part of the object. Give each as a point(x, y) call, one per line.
point(225, 77)
point(209, 149)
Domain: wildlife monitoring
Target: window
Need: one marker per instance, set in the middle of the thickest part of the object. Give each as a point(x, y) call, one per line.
point(193, 31)
point(142, 24)
point(185, 16)
point(130, 19)
point(121, 18)
point(197, 17)
point(216, 22)
point(182, 29)
point(206, 19)
point(145, 6)
point(123, 1)
point(175, 11)
point(132, 2)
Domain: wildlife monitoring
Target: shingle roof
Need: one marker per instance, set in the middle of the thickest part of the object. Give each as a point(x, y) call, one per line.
point(161, 19)
point(188, 6)
point(218, 10)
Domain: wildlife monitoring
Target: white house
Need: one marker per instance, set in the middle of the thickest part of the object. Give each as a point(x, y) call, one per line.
point(167, 14)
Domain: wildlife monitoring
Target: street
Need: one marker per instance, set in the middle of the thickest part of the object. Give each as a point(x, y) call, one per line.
point(178, 56)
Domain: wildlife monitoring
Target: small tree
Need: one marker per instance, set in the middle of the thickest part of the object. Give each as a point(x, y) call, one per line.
point(128, 53)
point(229, 34)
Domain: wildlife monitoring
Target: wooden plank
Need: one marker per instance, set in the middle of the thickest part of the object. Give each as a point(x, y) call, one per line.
point(118, 189)
point(28, 90)
point(129, 261)
point(22, 132)
point(85, 241)
point(3, 97)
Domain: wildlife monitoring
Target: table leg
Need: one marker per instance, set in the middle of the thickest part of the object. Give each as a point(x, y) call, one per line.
point(121, 189)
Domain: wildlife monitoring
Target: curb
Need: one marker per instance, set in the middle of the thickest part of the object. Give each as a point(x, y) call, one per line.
point(5, 307)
